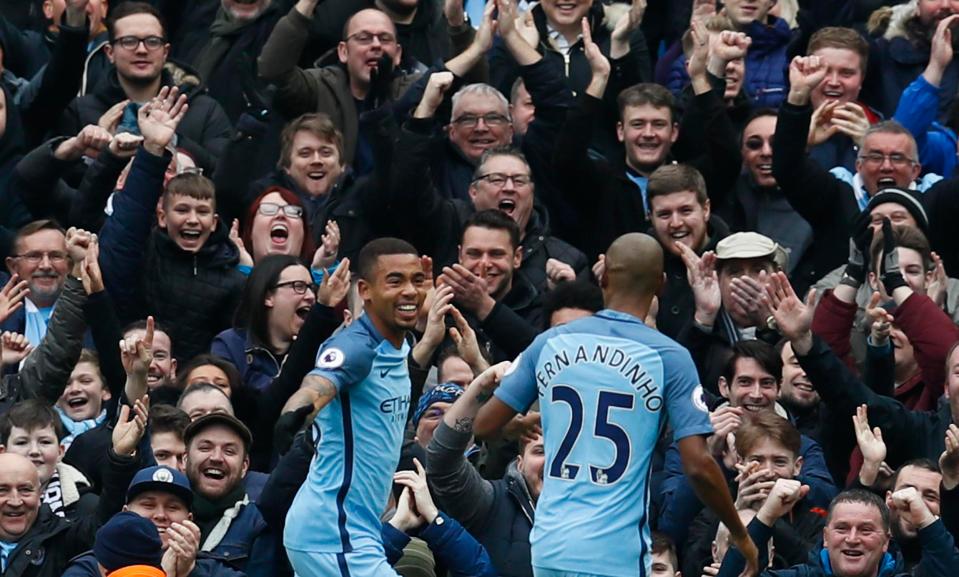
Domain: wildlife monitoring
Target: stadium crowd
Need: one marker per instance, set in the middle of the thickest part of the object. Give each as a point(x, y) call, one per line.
point(268, 262)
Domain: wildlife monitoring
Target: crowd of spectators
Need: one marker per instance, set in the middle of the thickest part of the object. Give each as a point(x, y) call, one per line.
point(187, 186)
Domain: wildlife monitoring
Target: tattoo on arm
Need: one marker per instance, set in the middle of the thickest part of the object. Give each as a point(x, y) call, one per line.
point(483, 396)
point(463, 425)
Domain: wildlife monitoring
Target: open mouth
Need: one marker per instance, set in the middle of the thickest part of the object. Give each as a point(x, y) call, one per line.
point(679, 235)
point(279, 234)
point(507, 205)
point(886, 182)
point(190, 235)
point(153, 378)
point(753, 407)
point(765, 168)
point(407, 310)
point(214, 473)
point(852, 553)
point(77, 402)
point(316, 175)
point(302, 312)
point(566, 8)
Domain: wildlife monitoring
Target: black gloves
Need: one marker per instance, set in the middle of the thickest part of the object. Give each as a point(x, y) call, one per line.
point(287, 426)
point(381, 82)
point(860, 239)
point(889, 271)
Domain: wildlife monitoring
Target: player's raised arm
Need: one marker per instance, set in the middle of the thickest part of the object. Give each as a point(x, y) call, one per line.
point(316, 391)
point(711, 488)
point(493, 412)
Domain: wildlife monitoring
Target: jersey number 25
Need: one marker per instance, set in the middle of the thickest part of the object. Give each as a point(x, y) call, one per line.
point(602, 428)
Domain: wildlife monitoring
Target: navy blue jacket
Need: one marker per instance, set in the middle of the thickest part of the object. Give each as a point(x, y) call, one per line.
point(249, 545)
point(939, 556)
point(86, 566)
point(452, 545)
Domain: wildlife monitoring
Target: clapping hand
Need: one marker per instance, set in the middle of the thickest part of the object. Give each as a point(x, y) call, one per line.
point(12, 295)
point(870, 444)
point(129, 431)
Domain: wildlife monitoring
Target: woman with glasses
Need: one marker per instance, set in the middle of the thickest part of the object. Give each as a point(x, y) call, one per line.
point(276, 223)
point(278, 300)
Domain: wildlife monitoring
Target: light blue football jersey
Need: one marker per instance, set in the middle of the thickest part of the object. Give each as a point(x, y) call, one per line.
point(359, 435)
point(605, 385)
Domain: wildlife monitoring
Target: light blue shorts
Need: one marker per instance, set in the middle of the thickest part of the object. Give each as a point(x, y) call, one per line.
point(356, 564)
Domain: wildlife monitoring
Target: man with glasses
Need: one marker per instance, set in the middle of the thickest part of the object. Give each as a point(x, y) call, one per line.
point(40, 258)
point(342, 90)
point(887, 158)
point(138, 50)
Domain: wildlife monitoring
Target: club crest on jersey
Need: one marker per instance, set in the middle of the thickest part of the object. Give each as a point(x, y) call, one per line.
point(698, 399)
point(330, 359)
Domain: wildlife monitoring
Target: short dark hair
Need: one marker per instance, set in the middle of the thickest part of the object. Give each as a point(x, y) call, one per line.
point(575, 294)
point(505, 150)
point(919, 463)
point(493, 219)
point(316, 123)
point(373, 250)
point(30, 415)
point(767, 425)
point(168, 419)
point(662, 544)
point(191, 184)
point(753, 115)
point(672, 178)
point(838, 37)
point(761, 352)
point(251, 314)
point(124, 9)
point(206, 359)
point(644, 93)
point(863, 497)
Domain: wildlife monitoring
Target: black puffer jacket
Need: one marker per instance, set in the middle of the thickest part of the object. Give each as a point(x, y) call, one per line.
point(192, 295)
point(204, 132)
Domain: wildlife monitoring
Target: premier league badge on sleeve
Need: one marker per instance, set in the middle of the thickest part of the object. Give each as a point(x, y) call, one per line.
point(698, 401)
point(330, 359)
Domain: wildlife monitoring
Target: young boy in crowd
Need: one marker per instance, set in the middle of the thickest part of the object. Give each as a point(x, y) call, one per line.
point(34, 430)
point(183, 272)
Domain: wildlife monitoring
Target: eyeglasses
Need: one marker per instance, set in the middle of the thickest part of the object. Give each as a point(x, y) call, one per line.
point(756, 142)
point(195, 170)
point(491, 119)
point(271, 208)
point(498, 179)
point(896, 159)
point(366, 38)
point(299, 286)
point(35, 257)
point(132, 42)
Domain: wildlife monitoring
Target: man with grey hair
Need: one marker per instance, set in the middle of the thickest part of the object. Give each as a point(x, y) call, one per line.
point(442, 181)
point(887, 159)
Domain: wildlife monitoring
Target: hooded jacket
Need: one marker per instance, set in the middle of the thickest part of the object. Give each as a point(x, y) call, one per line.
point(204, 131)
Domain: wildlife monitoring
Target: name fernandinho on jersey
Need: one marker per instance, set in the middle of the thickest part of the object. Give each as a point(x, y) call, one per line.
point(612, 357)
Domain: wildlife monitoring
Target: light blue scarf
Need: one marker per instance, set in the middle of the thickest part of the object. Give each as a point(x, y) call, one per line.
point(5, 550)
point(75, 428)
point(36, 323)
